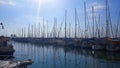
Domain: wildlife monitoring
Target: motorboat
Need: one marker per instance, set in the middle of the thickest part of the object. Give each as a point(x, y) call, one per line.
point(6, 47)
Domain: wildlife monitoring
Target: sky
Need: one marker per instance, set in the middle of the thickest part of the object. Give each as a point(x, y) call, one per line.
point(16, 14)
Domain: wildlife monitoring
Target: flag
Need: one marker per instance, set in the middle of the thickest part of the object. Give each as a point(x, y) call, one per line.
point(2, 25)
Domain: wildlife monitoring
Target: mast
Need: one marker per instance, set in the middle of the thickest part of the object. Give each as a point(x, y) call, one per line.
point(43, 28)
point(24, 32)
point(107, 23)
point(93, 20)
point(39, 30)
point(75, 24)
point(35, 31)
point(28, 32)
point(96, 26)
point(65, 22)
point(99, 27)
point(110, 22)
point(117, 28)
point(69, 29)
point(47, 28)
point(55, 28)
point(60, 29)
point(85, 19)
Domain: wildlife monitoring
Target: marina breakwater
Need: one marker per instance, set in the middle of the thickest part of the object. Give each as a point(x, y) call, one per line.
point(100, 44)
point(56, 41)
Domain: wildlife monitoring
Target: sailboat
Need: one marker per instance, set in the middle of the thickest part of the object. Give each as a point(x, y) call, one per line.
point(114, 44)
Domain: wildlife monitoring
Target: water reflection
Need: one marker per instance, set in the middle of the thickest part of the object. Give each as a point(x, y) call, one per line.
point(47, 56)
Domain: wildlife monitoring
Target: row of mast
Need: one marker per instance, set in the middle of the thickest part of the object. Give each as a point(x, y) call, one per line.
point(95, 29)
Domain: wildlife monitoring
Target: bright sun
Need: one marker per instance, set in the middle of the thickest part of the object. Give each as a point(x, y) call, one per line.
point(45, 2)
point(48, 1)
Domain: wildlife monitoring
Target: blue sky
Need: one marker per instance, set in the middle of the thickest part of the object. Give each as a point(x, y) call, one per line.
point(16, 14)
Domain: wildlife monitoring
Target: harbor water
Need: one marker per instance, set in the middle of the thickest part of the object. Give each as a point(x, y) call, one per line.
point(48, 56)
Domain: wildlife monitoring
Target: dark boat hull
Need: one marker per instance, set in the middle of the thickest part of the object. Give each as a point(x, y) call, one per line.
point(6, 54)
